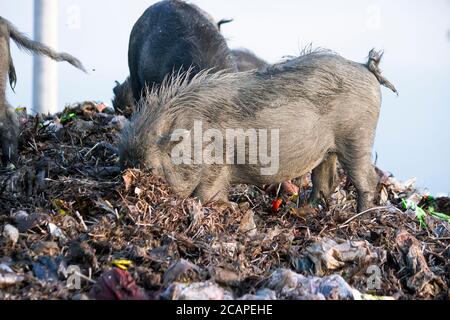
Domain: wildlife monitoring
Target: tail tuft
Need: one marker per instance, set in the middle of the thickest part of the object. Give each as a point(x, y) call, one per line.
point(374, 66)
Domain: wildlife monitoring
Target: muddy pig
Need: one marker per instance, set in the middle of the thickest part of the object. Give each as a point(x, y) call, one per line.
point(313, 107)
point(170, 36)
point(9, 125)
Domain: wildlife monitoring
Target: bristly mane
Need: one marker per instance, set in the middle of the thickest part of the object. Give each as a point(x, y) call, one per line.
point(305, 52)
point(179, 90)
point(310, 49)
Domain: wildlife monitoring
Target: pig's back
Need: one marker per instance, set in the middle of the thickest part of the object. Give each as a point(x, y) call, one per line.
point(322, 79)
point(156, 38)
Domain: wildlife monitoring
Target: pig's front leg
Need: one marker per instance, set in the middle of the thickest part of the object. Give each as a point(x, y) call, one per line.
point(213, 188)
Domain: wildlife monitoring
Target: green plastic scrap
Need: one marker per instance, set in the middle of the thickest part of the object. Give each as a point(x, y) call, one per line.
point(430, 202)
point(420, 213)
point(439, 215)
point(68, 117)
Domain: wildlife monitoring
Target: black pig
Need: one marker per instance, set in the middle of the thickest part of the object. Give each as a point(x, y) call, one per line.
point(170, 36)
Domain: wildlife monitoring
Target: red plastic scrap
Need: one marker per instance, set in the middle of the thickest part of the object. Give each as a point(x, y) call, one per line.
point(276, 204)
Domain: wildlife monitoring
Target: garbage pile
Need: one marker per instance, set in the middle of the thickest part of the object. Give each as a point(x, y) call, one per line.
point(74, 226)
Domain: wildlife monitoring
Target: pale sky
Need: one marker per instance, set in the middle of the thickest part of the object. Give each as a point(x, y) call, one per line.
point(413, 135)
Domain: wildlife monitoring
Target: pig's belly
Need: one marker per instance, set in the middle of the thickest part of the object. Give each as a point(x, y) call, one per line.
point(288, 168)
point(300, 156)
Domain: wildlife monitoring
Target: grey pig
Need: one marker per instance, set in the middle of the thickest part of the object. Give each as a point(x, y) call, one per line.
point(322, 104)
point(9, 124)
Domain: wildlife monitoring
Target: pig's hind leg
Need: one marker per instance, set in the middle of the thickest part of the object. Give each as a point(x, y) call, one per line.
point(324, 178)
point(356, 158)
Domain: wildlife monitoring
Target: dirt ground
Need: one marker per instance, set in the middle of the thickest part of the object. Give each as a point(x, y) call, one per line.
point(68, 205)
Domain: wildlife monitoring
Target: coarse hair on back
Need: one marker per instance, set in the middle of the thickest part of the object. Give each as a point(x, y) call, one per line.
point(310, 49)
point(180, 90)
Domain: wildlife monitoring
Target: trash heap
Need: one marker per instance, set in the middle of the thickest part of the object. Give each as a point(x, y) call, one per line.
point(74, 226)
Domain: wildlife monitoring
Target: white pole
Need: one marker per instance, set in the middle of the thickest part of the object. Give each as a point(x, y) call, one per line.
point(45, 71)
